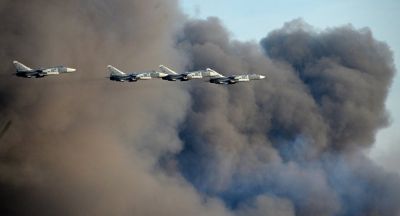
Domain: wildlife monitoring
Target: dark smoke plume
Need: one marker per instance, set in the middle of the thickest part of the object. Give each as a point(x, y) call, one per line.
point(80, 144)
point(291, 145)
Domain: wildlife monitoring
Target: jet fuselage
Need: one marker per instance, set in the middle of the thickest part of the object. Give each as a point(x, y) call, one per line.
point(39, 73)
point(235, 79)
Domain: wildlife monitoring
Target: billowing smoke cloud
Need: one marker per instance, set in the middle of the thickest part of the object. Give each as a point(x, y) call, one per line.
point(290, 145)
point(78, 143)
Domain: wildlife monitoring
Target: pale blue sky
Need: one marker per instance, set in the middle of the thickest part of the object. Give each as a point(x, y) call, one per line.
point(253, 19)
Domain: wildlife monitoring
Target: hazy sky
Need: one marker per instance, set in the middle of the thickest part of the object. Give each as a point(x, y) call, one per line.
point(244, 18)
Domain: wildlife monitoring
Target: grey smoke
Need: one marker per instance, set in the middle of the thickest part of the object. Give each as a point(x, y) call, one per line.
point(300, 136)
point(81, 145)
point(292, 145)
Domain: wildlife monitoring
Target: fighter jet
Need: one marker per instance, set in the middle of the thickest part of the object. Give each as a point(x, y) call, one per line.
point(229, 80)
point(24, 71)
point(117, 75)
point(173, 76)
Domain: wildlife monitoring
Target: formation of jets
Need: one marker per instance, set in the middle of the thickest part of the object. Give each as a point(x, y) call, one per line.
point(165, 73)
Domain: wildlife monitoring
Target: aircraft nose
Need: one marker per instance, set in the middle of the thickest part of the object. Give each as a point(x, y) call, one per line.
point(262, 77)
point(71, 70)
point(213, 74)
point(162, 74)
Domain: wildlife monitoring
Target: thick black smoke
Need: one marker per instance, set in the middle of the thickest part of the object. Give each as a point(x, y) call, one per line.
point(290, 145)
point(78, 143)
point(294, 141)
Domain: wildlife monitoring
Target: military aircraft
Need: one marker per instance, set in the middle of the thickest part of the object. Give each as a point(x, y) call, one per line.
point(117, 75)
point(24, 71)
point(229, 80)
point(173, 76)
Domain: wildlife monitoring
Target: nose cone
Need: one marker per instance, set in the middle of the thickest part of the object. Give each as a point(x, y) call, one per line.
point(262, 77)
point(70, 70)
point(161, 74)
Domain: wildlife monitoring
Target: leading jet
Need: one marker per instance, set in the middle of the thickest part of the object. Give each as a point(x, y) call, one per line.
point(118, 75)
point(24, 71)
point(173, 76)
point(229, 80)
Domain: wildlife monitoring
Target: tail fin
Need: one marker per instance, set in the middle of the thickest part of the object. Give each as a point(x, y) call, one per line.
point(114, 71)
point(166, 70)
point(21, 67)
point(212, 73)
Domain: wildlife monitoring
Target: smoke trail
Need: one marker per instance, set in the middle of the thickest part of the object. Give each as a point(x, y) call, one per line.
point(295, 141)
